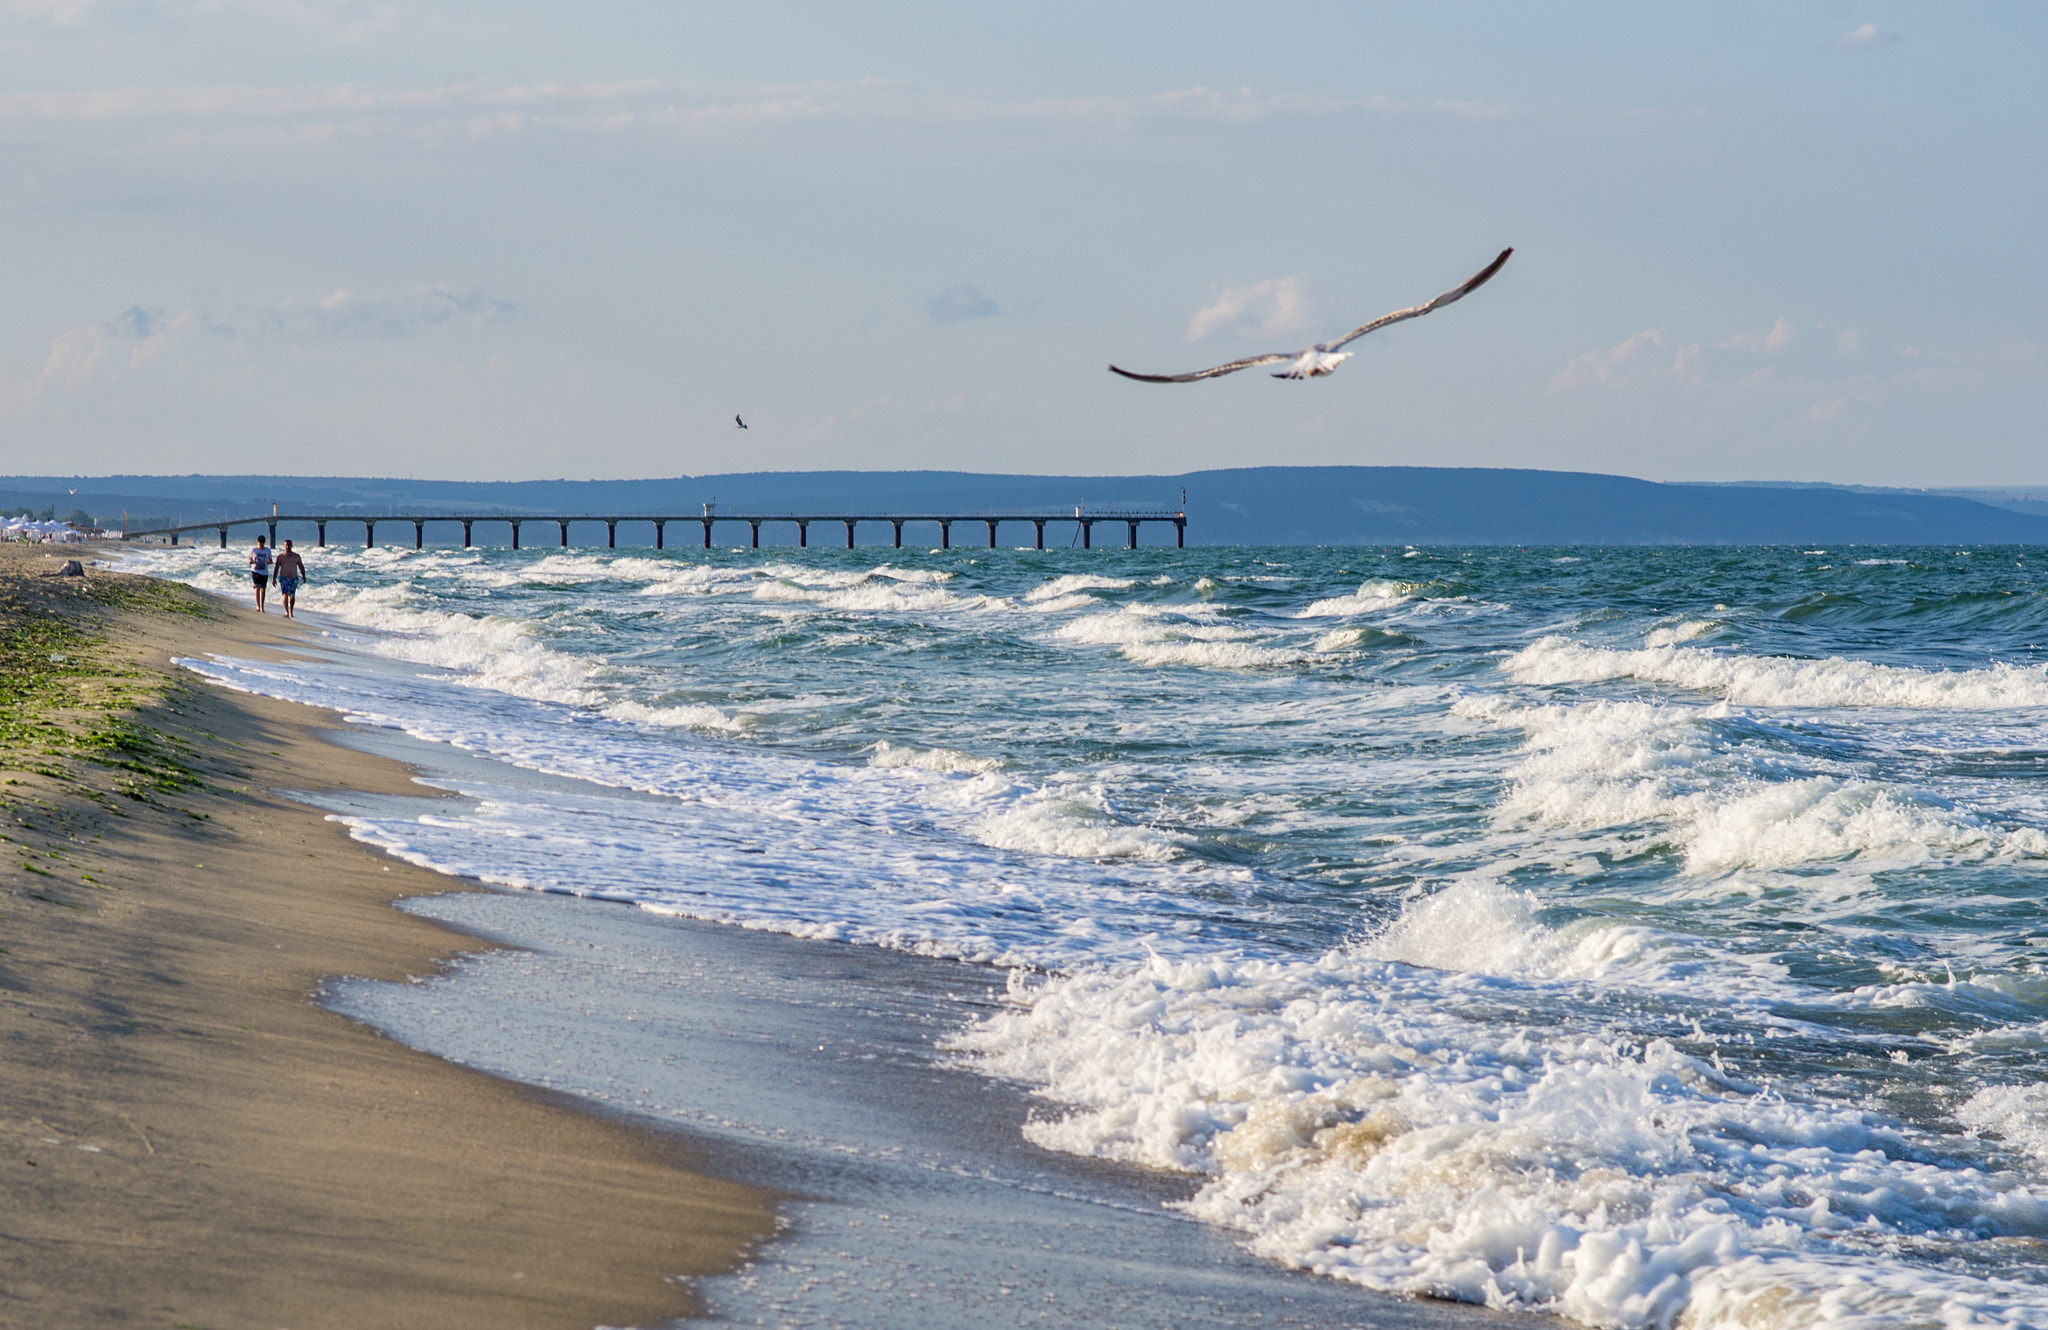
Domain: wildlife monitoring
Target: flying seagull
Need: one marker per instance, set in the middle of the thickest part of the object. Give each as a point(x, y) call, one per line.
point(1324, 357)
point(737, 421)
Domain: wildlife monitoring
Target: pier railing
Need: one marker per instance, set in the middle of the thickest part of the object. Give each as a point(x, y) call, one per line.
point(1084, 520)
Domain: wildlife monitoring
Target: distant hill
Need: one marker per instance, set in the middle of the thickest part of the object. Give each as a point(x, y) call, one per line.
point(1341, 505)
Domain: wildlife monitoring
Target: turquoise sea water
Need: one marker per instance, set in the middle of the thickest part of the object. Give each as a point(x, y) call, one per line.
point(1645, 935)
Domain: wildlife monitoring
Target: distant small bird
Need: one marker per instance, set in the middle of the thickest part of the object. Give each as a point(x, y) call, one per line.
point(1324, 357)
point(737, 421)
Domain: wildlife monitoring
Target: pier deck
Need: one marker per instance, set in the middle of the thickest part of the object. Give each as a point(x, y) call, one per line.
point(1084, 519)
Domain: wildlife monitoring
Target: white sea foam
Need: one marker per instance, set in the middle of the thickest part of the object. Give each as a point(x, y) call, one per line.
point(1061, 587)
point(569, 569)
point(1673, 634)
point(1146, 635)
point(695, 716)
point(1657, 773)
point(883, 595)
point(1782, 680)
point(887, 755)
point(1372, 597)
point(2015, 1114)
point(1349, 1123)
point(1485, 928)
point(1060, 604)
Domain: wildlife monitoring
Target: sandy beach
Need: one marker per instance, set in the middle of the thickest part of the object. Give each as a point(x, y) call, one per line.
point(191, 1141)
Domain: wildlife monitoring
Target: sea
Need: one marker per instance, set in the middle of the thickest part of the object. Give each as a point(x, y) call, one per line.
point(1635, 936)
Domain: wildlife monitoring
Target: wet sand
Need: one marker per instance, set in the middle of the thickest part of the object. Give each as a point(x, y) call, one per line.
point(189, 1139)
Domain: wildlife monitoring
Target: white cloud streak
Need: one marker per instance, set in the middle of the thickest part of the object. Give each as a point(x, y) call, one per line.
point(469, 111)
point(94, 353)
point(1276, 307)
point(1819, 375)
point(343, 313)
point(1864, 37)
point(345, 22)
point(1612, 366)
point(49, 13)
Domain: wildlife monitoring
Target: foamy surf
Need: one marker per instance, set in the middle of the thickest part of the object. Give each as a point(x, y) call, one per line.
point(1350, 1123)
point(1785, 682)
point(1513, 945)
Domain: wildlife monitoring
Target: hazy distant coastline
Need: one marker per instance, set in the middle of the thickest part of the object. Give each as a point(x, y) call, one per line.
point(1363, 505)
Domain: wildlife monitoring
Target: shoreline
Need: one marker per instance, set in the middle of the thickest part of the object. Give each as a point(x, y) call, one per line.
point(814, 1072)
point(196, 1140)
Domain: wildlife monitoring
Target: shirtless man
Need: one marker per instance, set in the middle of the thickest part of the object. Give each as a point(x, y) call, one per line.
point(259, 570)
point(291, 570)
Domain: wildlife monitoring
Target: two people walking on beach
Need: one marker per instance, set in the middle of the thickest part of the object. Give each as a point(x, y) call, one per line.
point(289, 568)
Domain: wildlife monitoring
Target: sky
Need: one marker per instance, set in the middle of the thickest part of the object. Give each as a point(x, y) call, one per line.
point(517, 240)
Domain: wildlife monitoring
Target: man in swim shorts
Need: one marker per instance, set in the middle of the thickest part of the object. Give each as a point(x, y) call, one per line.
point(291, 570)
point(259, 570)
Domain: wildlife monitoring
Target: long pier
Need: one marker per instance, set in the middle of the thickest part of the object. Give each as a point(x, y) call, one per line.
point(1085, 519)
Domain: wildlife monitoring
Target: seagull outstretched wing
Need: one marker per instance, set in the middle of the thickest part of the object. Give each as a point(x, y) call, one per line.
point(1457, 293)
point(1232, 368)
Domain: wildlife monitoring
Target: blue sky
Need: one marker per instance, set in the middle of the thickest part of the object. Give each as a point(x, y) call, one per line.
point(513, 240)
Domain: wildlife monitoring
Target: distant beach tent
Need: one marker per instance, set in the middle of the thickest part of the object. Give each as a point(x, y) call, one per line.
point(22, 528)
point(1324, 357)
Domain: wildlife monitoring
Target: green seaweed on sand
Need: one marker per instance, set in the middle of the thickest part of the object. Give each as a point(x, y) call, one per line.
point(64, 696)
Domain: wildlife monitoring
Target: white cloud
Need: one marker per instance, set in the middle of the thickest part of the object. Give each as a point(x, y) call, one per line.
point(93, 352)
point(1787, 376)
point(1244, 105)
point(1772, 340)
point(349, 22)
point(343, 313)
point(1273, 308)
point(77, 355)
point(454, 114)
point(55, 13)
point(1611, 366)
point(1866, 36)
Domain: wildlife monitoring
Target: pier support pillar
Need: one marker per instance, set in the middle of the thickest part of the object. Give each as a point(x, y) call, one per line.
point(849, 533)
point(946, 535)
point(273, 535)
point(660, 532)
point(611, 534)
point(898, 524)
point(320, 535)
point(1180, 533)
point(223, 537)
point(1134, 535)
point(419, 534)
point(174, 538)
point(991, 533)
point(756, 536)
point(565, 533)
point(803, 535)
point(465, 533)
point(707, 532)
point(1087, 533)
point(515, 535)
point(369, 534)
point(1039, 522)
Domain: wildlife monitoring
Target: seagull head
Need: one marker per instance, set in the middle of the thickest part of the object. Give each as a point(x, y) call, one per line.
point(1314, 363)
